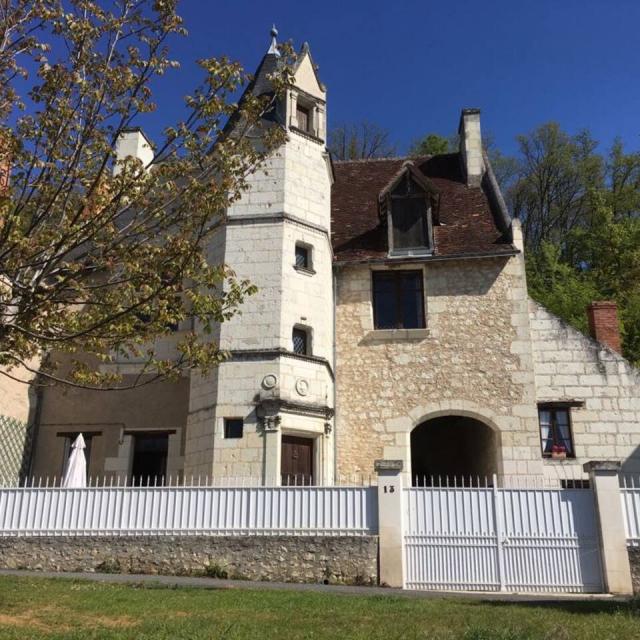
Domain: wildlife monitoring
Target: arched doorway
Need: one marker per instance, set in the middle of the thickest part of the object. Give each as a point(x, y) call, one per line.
point(453, 447)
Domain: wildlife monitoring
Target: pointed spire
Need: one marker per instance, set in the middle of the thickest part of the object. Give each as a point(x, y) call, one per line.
point(273, 49)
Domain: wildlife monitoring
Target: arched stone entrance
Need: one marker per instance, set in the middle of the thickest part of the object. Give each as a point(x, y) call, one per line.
point(452, 446)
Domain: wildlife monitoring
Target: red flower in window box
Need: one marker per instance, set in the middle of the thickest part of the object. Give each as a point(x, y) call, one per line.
point(558, 452)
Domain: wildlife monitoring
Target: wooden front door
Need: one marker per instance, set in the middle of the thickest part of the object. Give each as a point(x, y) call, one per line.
point(297, 461)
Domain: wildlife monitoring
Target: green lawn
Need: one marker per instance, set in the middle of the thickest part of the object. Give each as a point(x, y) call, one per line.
point(40, 608)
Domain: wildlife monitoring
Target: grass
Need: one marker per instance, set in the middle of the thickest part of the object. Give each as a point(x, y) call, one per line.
point(35, 608)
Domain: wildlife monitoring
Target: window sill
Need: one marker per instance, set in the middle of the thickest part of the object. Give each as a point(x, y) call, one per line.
point(396, 335)
point(410, 253)
point(306, 134)
point(305, 270)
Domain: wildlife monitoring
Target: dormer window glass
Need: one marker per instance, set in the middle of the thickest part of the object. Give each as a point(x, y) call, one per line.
point(407, 204)
point(409, 222)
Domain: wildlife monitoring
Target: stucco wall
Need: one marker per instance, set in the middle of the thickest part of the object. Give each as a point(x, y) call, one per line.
point(474, 359)
point(571, 366)
point(346, 560)
point(17, 413)
point(158, 406)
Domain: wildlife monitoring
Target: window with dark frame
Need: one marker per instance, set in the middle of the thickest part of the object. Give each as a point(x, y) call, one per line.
point(398, 300)
point(303, 118)
point(301, 341)
point(409, 221)
point(303, 257)
point(233, 428)
point(150, 451)
point(555, 431)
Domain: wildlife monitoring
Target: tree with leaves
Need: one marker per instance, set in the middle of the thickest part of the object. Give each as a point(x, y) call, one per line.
point(98, 265)
point(432, 144)
point(362, 141)
point(556, 172)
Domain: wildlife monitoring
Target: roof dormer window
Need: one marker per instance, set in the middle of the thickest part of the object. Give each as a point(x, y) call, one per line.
point(407, 203)
point(409, 223)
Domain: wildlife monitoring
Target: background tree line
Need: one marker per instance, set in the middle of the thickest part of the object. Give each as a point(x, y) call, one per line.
point(580, 214)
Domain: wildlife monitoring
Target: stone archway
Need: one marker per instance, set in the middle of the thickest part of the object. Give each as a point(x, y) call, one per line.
point(453, 446)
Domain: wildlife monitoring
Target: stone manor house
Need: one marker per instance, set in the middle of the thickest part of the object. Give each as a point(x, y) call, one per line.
point(392, 321)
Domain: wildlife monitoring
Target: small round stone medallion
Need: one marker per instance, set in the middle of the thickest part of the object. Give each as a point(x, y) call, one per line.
point(270, 381)
point(302, 386)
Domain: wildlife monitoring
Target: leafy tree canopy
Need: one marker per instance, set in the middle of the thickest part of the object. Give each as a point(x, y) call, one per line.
point(431, 145)
point(97, 266)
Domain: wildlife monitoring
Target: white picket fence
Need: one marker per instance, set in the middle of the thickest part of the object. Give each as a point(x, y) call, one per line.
point(630, 494)
point(188, 510)
point(497, 539)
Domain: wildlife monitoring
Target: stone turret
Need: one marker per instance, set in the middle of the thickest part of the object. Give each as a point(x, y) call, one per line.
point(279, 378)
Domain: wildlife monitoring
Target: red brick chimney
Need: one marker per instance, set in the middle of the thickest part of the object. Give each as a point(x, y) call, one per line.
point(604, 325)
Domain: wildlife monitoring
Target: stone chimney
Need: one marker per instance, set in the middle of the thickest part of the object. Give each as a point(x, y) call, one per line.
point(471, 146)
point(132, 142)
point(603, 324)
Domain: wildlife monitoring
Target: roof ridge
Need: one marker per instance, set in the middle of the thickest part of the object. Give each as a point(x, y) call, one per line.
point(363, 160)
point(420, 158)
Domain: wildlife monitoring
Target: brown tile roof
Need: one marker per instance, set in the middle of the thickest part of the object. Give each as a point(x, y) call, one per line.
point(467, 223)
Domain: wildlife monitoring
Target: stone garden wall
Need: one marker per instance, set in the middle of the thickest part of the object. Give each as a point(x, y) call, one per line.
point(336, 560)
point(634, 561)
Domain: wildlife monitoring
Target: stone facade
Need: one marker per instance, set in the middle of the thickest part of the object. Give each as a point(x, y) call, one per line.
point(288, 203)
point(336, 560)
point(487, 354)
point(570, 366)
point(473, 359)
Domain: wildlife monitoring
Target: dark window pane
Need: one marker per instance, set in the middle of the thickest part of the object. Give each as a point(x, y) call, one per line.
point(150, 458)
point(303, 118)
point(233, 427)
point(409, 223)
point(398, 301)
point(302, 257)
point(411, 303)
point(555, 431)
point(300, 341)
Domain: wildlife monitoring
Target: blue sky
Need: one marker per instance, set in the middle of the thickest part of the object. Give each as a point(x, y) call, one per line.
point(411, 66)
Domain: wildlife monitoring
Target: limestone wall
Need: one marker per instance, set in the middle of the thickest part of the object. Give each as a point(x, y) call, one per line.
point(287, 203)
point(473, 359)
point(346, 560)
point(571, 366)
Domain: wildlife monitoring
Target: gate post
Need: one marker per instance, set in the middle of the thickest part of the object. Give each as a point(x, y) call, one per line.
point(498, 516)
point(390, 522)
point(613, 541)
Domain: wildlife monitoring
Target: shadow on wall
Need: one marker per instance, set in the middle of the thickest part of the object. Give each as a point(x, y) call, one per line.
point(631, 464)
point(453, 447)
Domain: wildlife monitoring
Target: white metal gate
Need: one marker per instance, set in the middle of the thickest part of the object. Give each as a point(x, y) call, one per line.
point(490, 539)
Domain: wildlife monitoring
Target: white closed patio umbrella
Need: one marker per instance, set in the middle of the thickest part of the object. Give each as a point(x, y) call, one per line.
point(75, 475)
